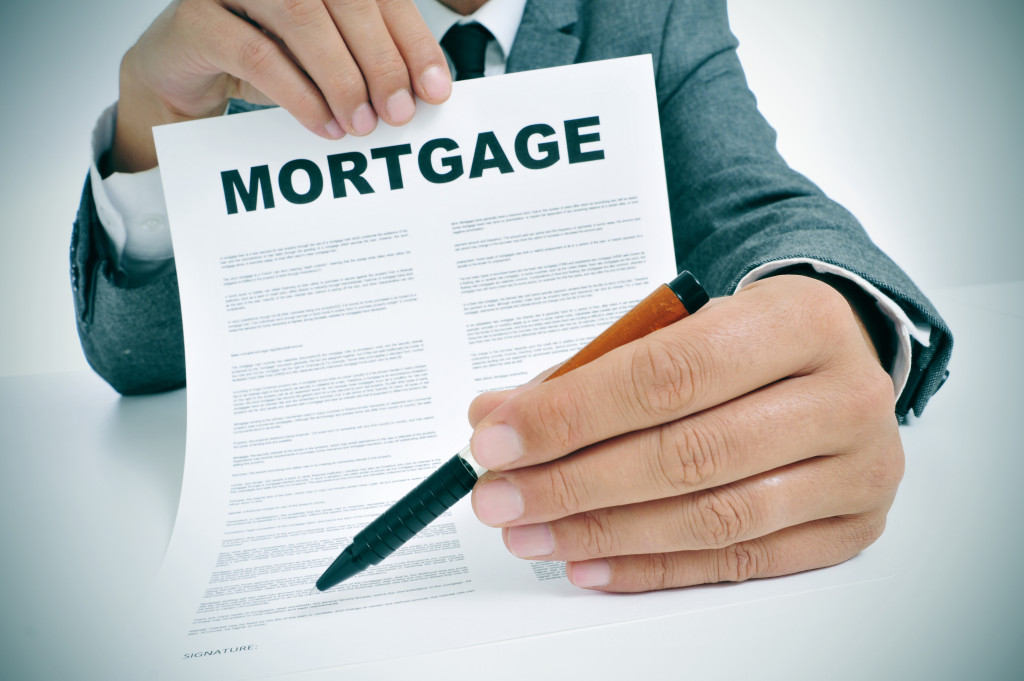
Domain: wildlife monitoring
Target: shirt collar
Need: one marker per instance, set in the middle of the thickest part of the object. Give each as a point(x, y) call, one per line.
point(500, 17)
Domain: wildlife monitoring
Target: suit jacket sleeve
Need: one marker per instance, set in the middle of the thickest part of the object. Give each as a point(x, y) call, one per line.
point(735, 202)
point(131, 336)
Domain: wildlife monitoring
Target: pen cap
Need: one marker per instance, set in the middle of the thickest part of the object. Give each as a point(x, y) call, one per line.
point(689, 291)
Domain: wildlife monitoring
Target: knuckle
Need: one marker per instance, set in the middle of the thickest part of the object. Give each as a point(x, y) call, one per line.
point(870, 392)
point(386, 68)
point(874, 530)
point(347, 82)
point(298, 12)
point(878, 478)
point(255, 55)
point(825, 312)
point(877, 391)
point(663, 378)
point(721, 517)
point(860, 532)
point(595, 536)
point(422, 46)
point(880, 462)
point(564, 489)
point(867, 398)
point(688, 456)
point(886, 470)
point(306, 103)
point(743, 561)
point(653, 572)
point(561, 421)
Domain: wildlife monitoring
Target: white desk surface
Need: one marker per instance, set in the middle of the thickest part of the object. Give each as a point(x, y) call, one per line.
point(89, 485)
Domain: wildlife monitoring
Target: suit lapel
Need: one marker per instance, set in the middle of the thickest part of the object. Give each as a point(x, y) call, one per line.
point(545, 36)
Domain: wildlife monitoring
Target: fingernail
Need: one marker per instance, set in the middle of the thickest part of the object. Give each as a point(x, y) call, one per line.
point(436, 82)
point(334, 129)
point(497, 502)
point(531, 541)
point(400, 107)
point(364, 120)
point(590, 573)
point(497, 446)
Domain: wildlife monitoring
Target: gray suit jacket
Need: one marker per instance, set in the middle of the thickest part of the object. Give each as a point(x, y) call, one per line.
point(735, 203)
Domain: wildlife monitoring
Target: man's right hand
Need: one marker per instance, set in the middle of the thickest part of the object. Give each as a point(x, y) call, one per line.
point(336, 65)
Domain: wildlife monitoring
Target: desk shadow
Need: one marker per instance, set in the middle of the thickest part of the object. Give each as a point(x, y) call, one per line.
point(146, 434)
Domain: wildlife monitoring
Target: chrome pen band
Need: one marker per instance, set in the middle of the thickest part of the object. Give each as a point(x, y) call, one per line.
point(467, 456)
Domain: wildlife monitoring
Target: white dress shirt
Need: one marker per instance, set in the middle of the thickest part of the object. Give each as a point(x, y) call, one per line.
point(132, 211)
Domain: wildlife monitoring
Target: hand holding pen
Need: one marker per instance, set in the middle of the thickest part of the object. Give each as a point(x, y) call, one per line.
point(756, 439)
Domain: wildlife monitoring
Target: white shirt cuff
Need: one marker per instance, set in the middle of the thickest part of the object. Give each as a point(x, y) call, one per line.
point(904, 328)
point(131, 209)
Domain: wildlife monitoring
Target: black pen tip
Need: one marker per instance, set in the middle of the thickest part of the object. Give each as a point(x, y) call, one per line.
point(343, 567)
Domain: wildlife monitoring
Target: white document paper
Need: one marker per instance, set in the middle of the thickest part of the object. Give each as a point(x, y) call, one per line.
point(343, 302)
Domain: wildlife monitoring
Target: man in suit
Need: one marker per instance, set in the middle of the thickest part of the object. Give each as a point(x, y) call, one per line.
point(758, 438)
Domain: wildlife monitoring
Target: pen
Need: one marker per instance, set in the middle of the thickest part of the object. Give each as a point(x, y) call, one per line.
point(455, 478)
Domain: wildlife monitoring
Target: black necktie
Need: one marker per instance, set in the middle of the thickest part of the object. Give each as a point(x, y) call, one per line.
point(466, 44)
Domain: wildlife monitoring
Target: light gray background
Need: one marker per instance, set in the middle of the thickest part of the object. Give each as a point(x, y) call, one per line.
point(906, 111)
